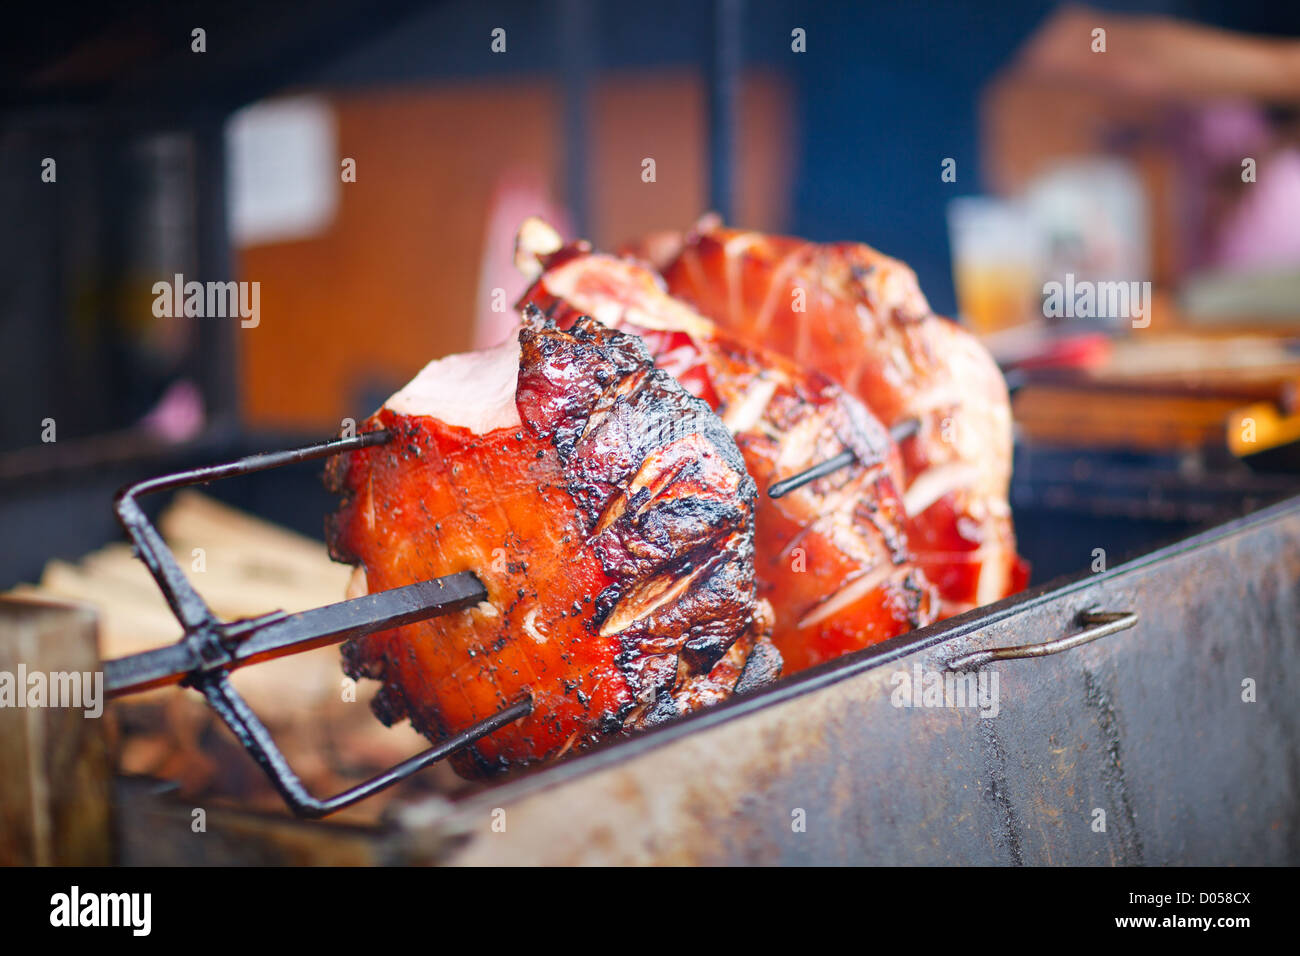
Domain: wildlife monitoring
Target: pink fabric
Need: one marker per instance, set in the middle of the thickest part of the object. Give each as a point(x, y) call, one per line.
point(179, 415)
point(520, 193)
point(1264, 229)
point(1225, 131)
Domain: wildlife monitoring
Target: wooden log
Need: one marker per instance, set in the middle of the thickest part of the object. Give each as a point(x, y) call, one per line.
point(54, 761)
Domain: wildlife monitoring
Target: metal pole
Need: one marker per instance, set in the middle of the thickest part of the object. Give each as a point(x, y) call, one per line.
point(576, 45)
point(724, 95)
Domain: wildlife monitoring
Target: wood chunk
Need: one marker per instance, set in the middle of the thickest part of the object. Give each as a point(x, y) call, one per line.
point(54, 761)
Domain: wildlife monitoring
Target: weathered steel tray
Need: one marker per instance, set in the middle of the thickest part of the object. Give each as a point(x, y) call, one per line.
point(1151, 724)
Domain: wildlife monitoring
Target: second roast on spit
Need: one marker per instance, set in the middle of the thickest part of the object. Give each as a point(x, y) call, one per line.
point(831, 557)
point(860, 317)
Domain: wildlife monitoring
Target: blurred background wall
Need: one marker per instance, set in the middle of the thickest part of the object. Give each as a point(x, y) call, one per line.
point(844, 140)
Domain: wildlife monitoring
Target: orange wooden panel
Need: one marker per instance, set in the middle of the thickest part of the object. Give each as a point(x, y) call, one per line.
point(393, 282)
point(391, 285)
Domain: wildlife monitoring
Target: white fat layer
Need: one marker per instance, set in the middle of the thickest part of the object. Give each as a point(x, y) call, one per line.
point(666, 315)
point(530, 626)
point(853, 591)
point(357, 584)
point(536, 238)
point(994, 580)
point(744, 415)
point(474, 390)
point(935, 482)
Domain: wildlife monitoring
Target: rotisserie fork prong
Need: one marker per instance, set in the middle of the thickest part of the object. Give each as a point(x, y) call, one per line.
point(209, 648)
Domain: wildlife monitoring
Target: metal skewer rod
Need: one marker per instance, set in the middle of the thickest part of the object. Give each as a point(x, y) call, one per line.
point(900, 432)
point(226, 646)
point(905, 430)
point(782, 488)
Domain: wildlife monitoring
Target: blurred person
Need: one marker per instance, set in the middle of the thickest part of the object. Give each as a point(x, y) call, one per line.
point(1232, 97)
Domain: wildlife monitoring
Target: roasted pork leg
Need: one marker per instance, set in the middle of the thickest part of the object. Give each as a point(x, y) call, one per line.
point(860, 317)
point(607, 513)
point(831, 557)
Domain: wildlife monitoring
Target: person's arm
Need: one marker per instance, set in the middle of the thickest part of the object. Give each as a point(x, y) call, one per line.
point(1162, 57)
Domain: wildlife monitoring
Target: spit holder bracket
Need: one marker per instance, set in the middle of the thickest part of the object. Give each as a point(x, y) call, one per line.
point(210, 649)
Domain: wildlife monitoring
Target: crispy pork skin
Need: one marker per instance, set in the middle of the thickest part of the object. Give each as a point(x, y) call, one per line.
point(607, 513)
point(860, 317)
point(831, 557)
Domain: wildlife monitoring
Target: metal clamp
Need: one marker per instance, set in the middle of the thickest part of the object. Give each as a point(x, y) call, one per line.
point(1096, 624)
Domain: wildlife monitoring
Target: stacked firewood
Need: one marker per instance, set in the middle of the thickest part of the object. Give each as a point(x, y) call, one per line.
point(242, 566)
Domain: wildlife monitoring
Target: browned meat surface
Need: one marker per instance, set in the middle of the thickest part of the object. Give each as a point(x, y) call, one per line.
point(860, 317)
point(832, 557)
point(607, 513)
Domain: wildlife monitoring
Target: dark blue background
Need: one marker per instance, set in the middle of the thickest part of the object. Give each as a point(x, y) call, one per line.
point(884, 93)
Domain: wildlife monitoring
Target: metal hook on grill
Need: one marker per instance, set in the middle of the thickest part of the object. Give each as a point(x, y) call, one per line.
point(779, 489)
point(209, 649)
